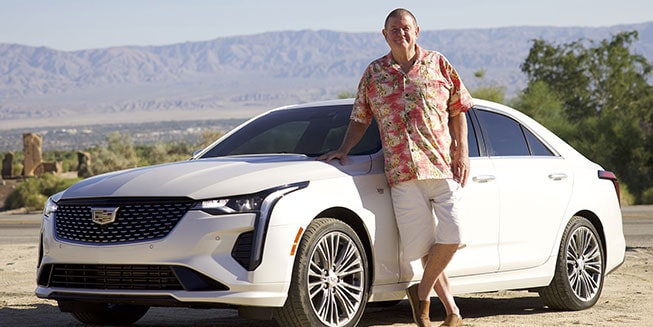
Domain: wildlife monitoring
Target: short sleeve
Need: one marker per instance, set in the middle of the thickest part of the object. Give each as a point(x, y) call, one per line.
point(362, 112)
point(460, 100)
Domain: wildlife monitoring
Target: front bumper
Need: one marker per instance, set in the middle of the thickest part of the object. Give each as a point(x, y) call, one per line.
point(198, 251)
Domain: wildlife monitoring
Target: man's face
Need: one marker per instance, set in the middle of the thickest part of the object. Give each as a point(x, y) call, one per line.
point(401, 33)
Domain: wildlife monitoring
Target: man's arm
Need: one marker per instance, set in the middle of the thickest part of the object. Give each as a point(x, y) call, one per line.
point(354, 134)
point(460, 151)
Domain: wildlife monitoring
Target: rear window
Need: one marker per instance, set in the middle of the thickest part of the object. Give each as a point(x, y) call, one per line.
point(506, 137)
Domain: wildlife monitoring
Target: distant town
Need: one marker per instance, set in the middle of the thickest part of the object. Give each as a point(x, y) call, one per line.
point(81, 138)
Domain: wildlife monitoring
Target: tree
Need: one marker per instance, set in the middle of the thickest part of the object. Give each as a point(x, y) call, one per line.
point(118, 154)
point(488, 90)
point(543, 105)
point(346, 94)
point(604, 101)
point(491, 93)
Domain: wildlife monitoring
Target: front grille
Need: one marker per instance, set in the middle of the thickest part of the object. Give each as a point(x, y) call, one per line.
point(127, 277)
point(132, 277)
point(137, 220)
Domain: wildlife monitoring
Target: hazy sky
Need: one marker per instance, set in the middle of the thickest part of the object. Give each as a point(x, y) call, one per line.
point(84, 24)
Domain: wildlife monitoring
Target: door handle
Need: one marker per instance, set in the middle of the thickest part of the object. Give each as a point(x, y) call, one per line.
point(558, 176)
point(483, 178)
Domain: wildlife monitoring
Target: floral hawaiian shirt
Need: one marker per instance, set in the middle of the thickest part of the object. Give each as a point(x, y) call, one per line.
point(412, 110)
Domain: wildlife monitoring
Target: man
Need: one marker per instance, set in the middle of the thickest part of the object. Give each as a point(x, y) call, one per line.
point(419, 103)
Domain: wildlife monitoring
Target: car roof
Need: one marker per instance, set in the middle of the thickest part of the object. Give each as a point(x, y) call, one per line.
point(336, 102)
point(557, 143)
point(324, 103)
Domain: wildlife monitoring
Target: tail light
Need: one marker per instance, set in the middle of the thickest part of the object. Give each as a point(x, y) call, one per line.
point(604, 174)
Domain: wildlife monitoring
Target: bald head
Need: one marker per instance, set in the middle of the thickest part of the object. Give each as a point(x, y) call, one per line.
point(399, 12)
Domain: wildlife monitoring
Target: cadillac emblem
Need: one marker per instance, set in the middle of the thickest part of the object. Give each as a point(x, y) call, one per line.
point(103, 216)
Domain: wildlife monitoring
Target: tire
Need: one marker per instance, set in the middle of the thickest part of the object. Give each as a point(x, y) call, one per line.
point(580, 268)
point(109, 313)
point(329, 280)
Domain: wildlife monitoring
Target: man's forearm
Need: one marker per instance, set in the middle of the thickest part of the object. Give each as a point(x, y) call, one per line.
point(459, 129)
point(354, 134)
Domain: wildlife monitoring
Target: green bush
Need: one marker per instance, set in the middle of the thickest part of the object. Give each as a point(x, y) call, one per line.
point(647, 196)
point(162, 153)
point(18, 169)
point(627, 198)
point(119, 153)
point(67, 158)
point(33, 192)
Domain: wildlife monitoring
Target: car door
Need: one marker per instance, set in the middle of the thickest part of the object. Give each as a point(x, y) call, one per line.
point(534, 190)
point(479, 211)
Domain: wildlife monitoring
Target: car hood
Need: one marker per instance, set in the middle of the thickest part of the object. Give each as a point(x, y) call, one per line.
point(206, 178)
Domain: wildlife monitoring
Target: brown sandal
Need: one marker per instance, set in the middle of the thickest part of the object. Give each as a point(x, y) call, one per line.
point(452, 320)
point(421, 309)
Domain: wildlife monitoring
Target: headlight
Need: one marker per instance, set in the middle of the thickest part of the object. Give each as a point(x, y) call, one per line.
point(240, 204)
point(245, 203)
point(50, 207)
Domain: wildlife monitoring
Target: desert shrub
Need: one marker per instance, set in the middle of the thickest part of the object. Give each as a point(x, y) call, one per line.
point(209, 137)
point(33, 192)
point(152, 154)
point(647, 196)
point(18, 169)
point(163, 152)
point(118, 154)
point(627, 198)
point(67, 158)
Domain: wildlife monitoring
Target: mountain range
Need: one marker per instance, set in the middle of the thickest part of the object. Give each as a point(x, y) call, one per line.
point(240, 76)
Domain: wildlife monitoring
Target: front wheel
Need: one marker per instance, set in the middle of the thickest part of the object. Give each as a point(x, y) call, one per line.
point(330, 278)
point(579, 272)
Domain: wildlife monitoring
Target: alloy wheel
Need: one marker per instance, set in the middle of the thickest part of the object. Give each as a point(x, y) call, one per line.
point(336, 279)
point(584, 264)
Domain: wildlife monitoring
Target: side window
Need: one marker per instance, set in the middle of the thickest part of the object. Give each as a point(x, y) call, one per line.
point(537, 147)
point(504, 136)
point(370, 143)
point(471, 138)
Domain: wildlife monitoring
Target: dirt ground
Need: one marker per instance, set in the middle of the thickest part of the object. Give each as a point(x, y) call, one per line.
point(627, 300)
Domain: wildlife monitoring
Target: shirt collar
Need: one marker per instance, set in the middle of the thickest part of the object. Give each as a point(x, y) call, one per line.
point(390, 61)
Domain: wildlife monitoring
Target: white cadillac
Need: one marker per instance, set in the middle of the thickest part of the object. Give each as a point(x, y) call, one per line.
point(255, 222)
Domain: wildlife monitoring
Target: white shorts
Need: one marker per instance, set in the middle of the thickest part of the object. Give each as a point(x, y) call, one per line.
point(427, 213)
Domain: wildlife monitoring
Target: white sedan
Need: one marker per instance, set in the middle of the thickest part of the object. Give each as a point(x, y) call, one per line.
point(255, 222)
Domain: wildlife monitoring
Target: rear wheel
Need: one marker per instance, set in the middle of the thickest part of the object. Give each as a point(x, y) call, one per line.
point(108, 313)
point(330, 277)
point(579, 273)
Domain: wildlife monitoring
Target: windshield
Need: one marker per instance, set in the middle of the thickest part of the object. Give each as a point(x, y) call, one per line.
point(311, 131)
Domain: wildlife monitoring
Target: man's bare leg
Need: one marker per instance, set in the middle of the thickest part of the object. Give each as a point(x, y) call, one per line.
point(436, 260)
point(434, 263)
point(443, 290)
